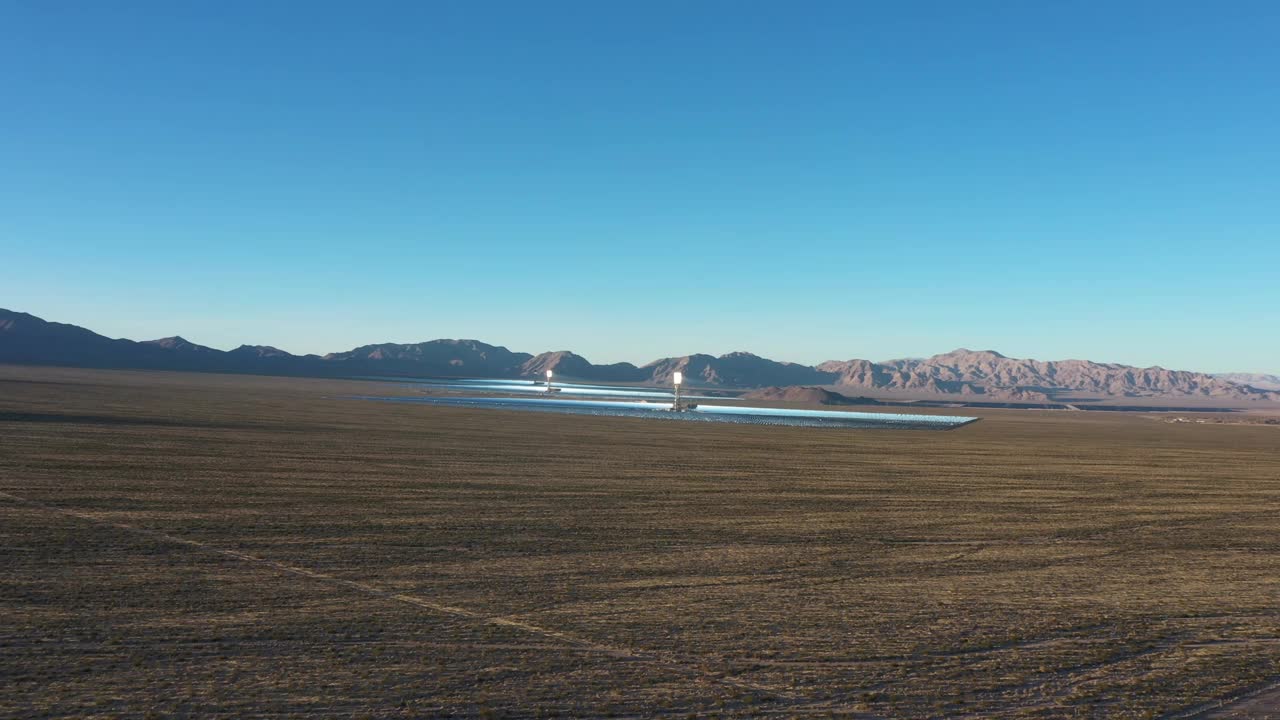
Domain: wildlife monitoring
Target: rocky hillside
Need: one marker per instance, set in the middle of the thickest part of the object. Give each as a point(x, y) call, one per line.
point(799, 394)
point(571, 365)
point(1261, 381)
point(435, 357)
point(736, 369)
point(986, 374)
point(988, 371)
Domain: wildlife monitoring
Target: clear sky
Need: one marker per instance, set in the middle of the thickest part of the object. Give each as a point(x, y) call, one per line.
point(807, 181)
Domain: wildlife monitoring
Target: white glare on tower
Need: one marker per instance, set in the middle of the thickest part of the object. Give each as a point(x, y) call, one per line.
point(548, 381)
point(677, 378)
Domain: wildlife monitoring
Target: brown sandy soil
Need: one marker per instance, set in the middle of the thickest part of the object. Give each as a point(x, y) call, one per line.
point(1264, 704)
point(232, 546)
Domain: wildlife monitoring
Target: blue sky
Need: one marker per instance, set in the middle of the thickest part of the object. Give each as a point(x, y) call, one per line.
point(807, 181)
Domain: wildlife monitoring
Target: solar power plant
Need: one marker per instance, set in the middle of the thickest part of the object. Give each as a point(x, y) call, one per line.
point(528, 387)
point(740, 414)
point(649, 402)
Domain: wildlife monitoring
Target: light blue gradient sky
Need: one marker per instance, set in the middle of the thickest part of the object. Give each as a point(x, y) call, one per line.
point(803, 180)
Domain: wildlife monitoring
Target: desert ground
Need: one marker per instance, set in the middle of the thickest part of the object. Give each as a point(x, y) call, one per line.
point(186, 545)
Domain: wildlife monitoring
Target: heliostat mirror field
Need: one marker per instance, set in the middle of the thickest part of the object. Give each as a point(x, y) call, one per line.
point(658, 404)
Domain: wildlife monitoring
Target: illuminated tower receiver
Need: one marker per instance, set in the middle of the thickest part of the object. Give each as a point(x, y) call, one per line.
point(549, 388)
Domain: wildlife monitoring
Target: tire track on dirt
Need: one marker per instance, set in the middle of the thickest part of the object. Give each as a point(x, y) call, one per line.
point(575, 642)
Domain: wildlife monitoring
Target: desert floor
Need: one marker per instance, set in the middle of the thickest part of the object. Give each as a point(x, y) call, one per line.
point(220, 546)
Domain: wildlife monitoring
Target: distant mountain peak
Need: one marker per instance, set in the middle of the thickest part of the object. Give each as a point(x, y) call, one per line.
point(9, 319)
point(177, 342)
point(960, 352)
point(261, 351)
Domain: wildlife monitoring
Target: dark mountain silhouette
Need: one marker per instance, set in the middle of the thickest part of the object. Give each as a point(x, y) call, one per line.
point(179, 344)
point(736, 369)
point(27, 339)
point(435, 357)
point(259, 351)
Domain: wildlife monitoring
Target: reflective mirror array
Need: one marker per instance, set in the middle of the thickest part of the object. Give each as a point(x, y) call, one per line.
point(700, 413)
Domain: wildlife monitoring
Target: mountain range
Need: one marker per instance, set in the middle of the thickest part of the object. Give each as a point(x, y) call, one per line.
point(27, 339)
point(1262, 381)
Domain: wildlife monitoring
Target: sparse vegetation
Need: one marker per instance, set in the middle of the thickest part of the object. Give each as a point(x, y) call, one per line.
point(246, 546)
